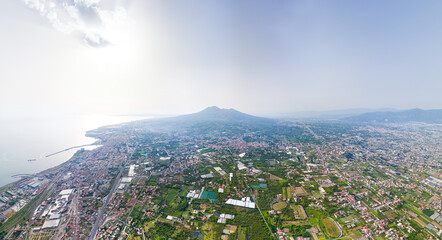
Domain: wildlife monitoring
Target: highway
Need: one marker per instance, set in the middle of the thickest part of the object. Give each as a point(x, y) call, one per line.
point(109, 196)
point(106, 202)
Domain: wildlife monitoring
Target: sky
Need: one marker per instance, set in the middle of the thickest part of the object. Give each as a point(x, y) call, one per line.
point(180, 56)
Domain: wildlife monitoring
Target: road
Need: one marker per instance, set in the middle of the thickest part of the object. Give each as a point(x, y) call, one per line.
point(106, 202)
point(111, 193)
point(103, 208)
point(76, 213)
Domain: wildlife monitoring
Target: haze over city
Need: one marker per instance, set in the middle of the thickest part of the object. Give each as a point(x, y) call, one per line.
point(220, 119)
point(171, 57)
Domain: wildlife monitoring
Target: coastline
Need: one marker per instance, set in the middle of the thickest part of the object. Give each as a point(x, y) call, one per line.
point(8, 185)
point(49, 140)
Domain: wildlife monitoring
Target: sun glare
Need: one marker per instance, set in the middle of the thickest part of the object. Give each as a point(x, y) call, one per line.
point(123, 50)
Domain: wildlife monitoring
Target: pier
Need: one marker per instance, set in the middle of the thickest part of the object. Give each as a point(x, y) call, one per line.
point(22, 175)
point(67, 149)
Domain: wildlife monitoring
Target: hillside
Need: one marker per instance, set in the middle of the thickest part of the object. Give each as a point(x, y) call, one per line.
point(209, 119)
point(215, 114)
point(413, 115)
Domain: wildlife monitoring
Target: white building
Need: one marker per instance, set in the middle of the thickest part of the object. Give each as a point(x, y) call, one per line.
point(241, 166)
point(131, 170)
point(244, 202)
point(126, 180)
point(50, 224)
point(220, 171)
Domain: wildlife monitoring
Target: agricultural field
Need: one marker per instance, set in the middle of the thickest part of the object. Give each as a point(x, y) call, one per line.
point(301, 212)
point(289, 193)
point(284, 193)
point(300, 191)
point(348, 218)
point(279, 206)
point(331, 227)
point(390, 214)
point(355, 234)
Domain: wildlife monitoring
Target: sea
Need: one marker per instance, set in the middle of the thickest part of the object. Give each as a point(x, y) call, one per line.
point(23, 139)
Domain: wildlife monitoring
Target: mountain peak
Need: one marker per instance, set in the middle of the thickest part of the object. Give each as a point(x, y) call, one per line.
point(216, 114)
point(212, 109)
point(217, 110)
point(211, 119)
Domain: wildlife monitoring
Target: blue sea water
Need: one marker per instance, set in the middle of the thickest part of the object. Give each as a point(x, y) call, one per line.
point(22, 139)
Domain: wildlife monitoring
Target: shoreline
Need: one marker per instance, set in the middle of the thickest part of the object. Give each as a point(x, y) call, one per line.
point(83, 123)
point(8, 185)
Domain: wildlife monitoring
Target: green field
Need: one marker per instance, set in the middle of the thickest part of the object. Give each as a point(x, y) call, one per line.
point(419, 213)
point(241, 233)
point(348, 218)
point(331, 227)
point(374, 212)
point(284, 193)
point(356, 234)
point(279, 206)
point(171, 194)
point(289, 192)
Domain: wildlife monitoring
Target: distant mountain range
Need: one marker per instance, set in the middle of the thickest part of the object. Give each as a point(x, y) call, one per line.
point(330, 114)
point(214, 118)
point(413, 115)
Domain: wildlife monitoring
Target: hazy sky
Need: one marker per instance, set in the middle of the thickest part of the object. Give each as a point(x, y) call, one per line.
point(122, 57)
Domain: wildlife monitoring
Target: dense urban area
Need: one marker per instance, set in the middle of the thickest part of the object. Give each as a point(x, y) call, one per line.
point(238, 178)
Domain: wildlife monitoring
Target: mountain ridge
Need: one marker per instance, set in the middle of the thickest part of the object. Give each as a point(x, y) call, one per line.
point(412, 115)
point(328, 114)
point(216, 114)
point(209, 119)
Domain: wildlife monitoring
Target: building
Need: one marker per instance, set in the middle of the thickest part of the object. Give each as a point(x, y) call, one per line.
point(244, 202)
point(50, 224)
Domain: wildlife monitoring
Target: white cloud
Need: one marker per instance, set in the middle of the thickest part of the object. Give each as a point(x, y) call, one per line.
point(95, 40)
point(87, 18)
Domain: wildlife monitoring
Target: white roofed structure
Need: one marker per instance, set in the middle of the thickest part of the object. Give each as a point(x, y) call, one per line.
point(241, 166)
point(66, 192)
point(126, 180)
point(132, 170)
point(50, 224)
point(241, 203)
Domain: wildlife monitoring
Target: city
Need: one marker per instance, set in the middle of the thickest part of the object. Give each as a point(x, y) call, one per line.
point(237, 178)
point(220, 120)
